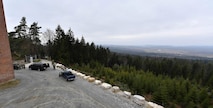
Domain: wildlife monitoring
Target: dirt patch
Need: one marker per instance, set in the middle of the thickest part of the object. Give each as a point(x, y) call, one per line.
point(9, 84)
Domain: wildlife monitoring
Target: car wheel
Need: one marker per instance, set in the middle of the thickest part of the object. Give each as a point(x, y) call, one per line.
point(39, 69)
point(67, 80)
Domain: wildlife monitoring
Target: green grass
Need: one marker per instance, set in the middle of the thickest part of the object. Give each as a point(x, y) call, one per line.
point(36, 60)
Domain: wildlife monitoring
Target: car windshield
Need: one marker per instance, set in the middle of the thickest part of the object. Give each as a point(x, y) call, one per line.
point(68, 73)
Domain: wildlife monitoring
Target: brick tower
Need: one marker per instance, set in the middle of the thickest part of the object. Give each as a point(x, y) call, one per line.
point(6, 65)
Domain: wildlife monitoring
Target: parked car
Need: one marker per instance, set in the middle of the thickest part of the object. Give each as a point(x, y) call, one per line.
point(69, 76)
point(46, 65)
point(17, 66)
point(37, 66)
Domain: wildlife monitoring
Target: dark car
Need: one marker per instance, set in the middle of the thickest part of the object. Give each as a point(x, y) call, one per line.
point(46, 65)
point(16, 66)
point(67, 75)
point(37, 66)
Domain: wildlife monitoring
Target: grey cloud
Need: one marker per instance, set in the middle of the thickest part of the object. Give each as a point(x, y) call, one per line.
point(99, 19)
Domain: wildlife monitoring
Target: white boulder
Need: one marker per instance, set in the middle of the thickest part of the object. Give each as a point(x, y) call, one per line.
point(115, 89)
point(106, 86)
point(78, 73)
point(60, 66)
point(74, 72)
point(81, 75)
point(97, 82)
point(140, 100)
point(91, 79)
point(69, 69)
point(154, 105)
point(127, 94)
point(86, 77)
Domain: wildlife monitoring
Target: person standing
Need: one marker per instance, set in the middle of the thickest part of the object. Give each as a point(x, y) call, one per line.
point(53, 63)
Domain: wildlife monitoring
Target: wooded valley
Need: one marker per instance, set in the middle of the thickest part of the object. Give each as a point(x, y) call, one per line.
point(171, 82)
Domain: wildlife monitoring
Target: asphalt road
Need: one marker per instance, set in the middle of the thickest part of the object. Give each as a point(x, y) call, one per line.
point(44, 89)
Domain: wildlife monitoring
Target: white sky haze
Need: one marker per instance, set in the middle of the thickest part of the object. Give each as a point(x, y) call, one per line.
point(121, 22)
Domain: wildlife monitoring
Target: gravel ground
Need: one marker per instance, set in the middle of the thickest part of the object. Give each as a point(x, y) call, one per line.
point(44, 89)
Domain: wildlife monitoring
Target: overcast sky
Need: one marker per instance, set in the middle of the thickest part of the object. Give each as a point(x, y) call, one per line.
point(121, 22)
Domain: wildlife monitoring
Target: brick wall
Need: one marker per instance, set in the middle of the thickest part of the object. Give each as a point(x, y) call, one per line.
point(6, 66)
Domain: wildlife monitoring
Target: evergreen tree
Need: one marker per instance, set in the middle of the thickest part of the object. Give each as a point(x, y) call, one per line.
point(22, 28)
point(34, 36)
point(82, 42)
point(71, 35)
point(34, 31)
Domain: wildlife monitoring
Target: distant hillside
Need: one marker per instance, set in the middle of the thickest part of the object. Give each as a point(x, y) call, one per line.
point(189, 52)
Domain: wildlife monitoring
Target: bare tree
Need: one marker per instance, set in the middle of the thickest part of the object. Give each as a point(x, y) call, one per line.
point(48, 36)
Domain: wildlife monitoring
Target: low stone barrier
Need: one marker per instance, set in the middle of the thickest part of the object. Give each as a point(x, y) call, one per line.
point(154, 105)
point(97, 82)
point(60, 66)
point(82, 75)
point(106, 86)
point(70, 70)
point(115, 89)
point(91, 79)
point(78, 74)
point(140, 100)
point(86, 77)
point(74, 72)
point(127, 94)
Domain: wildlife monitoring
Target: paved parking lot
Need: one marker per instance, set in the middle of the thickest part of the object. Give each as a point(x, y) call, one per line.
point(44, 89)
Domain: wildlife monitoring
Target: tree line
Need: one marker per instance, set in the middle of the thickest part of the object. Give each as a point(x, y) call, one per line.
point(171, 82)
point(170, 92)
point(197, 71)
point(24, 40)
point(69, 50)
